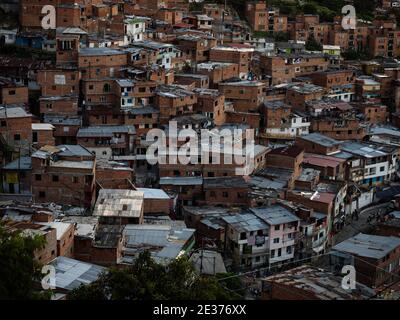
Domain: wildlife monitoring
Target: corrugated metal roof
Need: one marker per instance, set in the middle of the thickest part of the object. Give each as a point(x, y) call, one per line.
point(23, 163)
point(104, 131)
point(13, 111)
point(275, 215)
point(367, 245)
point(164, 241)
point(245, 222)
point(71, 273)
point(153, 193)
point(119, 203)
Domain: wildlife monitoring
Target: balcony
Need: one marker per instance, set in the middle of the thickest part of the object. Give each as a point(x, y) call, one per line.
point(288, 241)
point(118, 142)
point(283, 257)
point(268, 135)
point(319, 242)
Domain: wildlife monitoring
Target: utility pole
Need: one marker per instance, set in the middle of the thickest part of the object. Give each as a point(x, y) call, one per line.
point(201, 256)
point(214, 266)
point(19, 169)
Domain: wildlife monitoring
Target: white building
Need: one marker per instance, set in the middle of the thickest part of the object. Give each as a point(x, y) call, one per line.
point(8, 36)
point(297, 126)
point(164, 52)
point(380, 161)
point(134, 29)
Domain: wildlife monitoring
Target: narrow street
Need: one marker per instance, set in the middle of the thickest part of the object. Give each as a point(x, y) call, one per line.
point(360, 225)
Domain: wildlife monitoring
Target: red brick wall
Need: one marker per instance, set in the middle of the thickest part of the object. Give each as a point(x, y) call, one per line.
point(80, 192)
point(45, 137)
point(49, 252)
point(14, 95)
point(46, 79)
point(65, 246)
point(101, 66)
point(66, 106)
point(17, 126)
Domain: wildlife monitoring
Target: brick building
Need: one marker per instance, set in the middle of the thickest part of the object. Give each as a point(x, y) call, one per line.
point(66, 127)
point(196, 48)
point(58, 105)
point(174, 101)
point(61, 168)
point(16, 128)
point(263, 18)
point(238, 54)
point(245, 95)
point(218, 71)
point(107, 141)
point(42, 134)
point(49, 251)
point(297, 95)
point(225, 191)
point(210, 103)
point(371, 256)
point(318, 143)
point(192, 80)
point(286, 157)
point(335, 119)
point(12, 93)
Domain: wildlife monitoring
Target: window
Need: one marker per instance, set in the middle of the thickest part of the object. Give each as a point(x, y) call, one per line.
point(279, 252)
point(3, 123)
point(382, 169)
point(38, 177)
point(272, 253)
point(42, 194)
point(55, 178)
point(75, 179)
point(276, 240)
point(11, 92)
point(288, 250)
point(225, 194)
point(277, 227)
point(243, 236)
point(17, 137)
point(106, 87)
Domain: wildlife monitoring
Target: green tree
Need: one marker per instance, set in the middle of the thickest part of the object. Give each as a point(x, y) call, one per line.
point(19, 270)
point(313, 45)
point(281, 36)
point(310, 8)
point(148, 280)
point(352, 54)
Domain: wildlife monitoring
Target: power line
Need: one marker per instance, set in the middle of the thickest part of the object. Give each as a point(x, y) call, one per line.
point(269, 267)
point(299, 260)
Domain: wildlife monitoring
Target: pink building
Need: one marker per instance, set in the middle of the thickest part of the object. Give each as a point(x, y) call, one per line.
point(283, 229)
